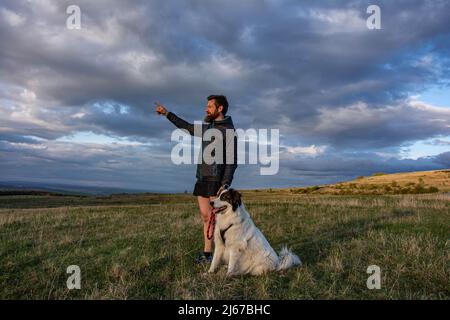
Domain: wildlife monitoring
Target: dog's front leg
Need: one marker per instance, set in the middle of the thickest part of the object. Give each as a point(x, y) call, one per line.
point(233, 268)
point(217, 257)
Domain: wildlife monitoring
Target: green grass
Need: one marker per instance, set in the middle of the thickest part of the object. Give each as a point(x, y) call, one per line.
point(142, 247)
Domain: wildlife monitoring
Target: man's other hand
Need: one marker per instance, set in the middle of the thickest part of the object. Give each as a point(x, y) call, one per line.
point(160, 109)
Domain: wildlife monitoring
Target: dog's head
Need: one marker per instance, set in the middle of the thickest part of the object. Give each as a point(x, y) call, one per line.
point(228, 198)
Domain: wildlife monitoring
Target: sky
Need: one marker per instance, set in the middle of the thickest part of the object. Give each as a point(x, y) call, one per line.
point(76, 105)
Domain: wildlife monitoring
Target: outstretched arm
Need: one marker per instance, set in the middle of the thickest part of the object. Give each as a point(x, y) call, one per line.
point(178, 122)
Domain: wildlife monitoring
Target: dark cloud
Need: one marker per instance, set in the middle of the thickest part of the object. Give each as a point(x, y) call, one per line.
point(443, 159)
point(311, 69)
point(148, 167)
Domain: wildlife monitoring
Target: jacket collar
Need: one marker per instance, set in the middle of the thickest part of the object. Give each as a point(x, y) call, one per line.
point(225, 120)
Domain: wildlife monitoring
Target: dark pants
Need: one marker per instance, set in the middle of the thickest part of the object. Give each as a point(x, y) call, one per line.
point(206, 188)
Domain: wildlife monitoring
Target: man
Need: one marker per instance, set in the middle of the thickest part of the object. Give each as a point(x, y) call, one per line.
point(211, 178)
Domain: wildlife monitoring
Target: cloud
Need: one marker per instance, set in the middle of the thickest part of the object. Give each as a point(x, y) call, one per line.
point(439, 142)
point(310, 69)
point(443, 159)
point(12, 18)
point(311, 150)
point(362, 126)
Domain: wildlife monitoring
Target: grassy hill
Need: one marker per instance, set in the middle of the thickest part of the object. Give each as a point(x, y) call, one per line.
point(142, 246)
point(381, 183)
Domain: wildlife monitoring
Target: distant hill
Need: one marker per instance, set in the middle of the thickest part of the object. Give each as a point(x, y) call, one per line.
point(382, 183)
point(37, 188)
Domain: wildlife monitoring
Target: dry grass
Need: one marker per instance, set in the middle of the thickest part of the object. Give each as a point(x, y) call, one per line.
point(143, 248)
point(421, 182)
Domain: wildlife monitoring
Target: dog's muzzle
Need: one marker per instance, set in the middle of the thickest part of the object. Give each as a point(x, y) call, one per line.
point(218, 210)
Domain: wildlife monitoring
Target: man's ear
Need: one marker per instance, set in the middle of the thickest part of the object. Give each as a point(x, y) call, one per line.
point(220, 108)
point(235, 199)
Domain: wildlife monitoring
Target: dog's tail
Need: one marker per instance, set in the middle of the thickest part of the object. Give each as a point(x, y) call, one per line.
point(287, 259)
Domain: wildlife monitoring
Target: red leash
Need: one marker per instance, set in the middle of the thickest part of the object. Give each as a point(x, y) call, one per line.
point(212, 221)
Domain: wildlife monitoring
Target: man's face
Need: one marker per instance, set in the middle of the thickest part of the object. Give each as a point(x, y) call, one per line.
point(212, 112)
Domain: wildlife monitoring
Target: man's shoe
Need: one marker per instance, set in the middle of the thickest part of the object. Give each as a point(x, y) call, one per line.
point(202, 258)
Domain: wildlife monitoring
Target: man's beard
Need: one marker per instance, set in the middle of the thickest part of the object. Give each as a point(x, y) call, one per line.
point(210, 117)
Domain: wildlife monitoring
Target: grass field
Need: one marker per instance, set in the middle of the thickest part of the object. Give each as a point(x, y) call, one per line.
point(142, 247)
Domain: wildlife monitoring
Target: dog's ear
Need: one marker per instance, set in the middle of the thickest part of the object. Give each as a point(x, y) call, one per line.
point(235, 199)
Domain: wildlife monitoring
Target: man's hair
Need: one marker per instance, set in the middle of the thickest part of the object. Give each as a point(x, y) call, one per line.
point(220, 100)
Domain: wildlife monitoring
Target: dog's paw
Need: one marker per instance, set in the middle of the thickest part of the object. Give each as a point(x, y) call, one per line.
point(230, 274)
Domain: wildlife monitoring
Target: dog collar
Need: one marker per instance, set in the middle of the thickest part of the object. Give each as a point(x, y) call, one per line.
point(222, 232)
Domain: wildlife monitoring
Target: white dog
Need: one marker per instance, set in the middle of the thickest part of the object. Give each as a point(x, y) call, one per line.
point(240, 244)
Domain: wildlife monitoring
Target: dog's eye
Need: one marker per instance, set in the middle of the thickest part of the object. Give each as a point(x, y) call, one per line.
point(224, 197)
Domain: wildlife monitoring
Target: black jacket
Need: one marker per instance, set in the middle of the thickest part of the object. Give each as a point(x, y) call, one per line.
point(220, 172)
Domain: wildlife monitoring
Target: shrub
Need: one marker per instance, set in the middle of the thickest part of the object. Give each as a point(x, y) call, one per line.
point(405, 190)
point(421, 183)
point(419, 189)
